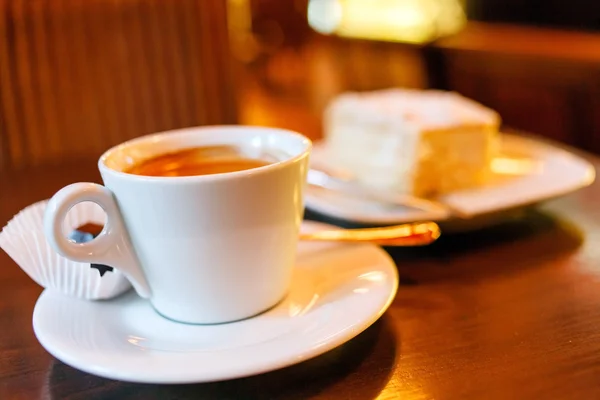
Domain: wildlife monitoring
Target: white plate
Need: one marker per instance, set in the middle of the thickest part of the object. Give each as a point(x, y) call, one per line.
point(544, 172)
point(338, 291)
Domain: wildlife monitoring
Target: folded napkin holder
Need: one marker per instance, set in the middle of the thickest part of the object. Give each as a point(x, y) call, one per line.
point(23, 240)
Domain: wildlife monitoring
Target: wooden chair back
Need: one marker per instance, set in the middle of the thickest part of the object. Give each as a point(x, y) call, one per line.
point(79, 76)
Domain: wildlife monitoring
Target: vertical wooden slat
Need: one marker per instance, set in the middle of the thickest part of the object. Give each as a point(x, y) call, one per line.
point(175, 67)
point(210, 95)
point(181, 50)
point(155, 31)
point(7, 117)
point(79, 76)
point(82, 97)
point(62, 77)
point(191, 31)
point(11, 93)
point(125, 66)
point(29, 81)
point(48, 120)
point(226, 88)
point(141, 79)
point(103, 30)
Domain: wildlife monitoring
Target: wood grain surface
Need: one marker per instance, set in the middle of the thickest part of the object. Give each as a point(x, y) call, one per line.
point(510, 312)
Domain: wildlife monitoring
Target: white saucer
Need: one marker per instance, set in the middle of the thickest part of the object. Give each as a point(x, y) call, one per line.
point(544, 172)
point(338, 291)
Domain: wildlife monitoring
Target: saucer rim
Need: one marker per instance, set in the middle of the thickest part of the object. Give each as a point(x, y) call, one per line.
point(303, 353)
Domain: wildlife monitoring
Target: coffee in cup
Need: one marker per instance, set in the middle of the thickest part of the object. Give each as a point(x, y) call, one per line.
point(203, 160)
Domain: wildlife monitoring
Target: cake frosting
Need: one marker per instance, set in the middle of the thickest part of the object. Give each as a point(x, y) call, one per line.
point(419, 142)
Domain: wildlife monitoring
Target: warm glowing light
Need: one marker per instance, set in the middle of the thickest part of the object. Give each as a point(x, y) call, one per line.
point(516, 166)
point(239, 19)
point(411, 21)
point(373, 276)
point(325, 16)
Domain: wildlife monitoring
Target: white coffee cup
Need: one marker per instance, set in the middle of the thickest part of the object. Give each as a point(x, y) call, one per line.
point(203, 249)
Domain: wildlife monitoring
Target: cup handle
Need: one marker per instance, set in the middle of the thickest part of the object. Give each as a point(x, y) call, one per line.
point(111, 247)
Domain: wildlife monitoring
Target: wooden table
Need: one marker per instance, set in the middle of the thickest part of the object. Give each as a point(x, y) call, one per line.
point(512, 312)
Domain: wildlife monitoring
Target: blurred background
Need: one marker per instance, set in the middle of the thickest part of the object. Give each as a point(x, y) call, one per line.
point(79, 76)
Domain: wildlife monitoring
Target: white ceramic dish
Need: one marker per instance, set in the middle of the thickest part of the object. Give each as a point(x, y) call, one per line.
point(527, 172)
point(337, 292)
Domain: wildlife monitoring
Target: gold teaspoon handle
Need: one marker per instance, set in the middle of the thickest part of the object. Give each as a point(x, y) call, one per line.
point(415, 234)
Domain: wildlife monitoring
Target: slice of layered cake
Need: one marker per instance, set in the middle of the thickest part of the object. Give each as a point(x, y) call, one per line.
point(419, 142)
